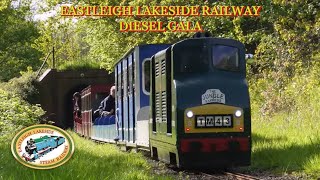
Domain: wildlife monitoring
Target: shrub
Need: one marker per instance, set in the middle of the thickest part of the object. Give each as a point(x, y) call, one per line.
point(269, 98)
point(24, 86)
point(15, 113)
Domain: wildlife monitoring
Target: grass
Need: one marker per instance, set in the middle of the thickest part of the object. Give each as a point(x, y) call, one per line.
point(82, 64)
point(89, 161)
point(289, 142)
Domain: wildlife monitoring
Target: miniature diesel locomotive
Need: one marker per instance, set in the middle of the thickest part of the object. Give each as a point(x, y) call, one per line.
point(200, 109)
point(188, 103)
point(36, 148)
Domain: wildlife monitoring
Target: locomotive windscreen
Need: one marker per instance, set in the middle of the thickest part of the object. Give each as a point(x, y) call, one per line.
point(191, 59)
point(198, 59)
point(225, 57)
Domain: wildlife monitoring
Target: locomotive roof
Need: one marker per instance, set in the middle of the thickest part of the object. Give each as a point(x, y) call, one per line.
point(214, 40)
point(41, 139)
point(227, 41)
point(128, 52)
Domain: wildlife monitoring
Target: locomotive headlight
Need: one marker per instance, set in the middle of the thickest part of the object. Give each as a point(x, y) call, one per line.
point(189, 114)
point(238, 113)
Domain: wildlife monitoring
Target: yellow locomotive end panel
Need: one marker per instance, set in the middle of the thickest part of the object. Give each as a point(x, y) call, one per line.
point(212, 118)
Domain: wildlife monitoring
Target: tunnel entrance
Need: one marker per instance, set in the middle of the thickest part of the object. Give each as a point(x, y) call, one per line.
point(56, 90)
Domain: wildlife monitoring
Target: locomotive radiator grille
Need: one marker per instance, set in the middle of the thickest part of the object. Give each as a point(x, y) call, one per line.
point(157, 69)
point(158, 111)
point(163, 66)
point(164, 105)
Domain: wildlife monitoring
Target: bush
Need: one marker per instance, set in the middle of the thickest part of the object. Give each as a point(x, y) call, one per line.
point(269, 96)
point(15, 113)
point(24, 86)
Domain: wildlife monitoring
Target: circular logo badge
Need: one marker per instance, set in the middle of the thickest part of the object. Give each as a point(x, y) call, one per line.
point(42, 146)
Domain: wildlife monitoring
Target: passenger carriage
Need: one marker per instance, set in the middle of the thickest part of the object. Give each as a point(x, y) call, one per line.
point(91, 97)
point(132, 95)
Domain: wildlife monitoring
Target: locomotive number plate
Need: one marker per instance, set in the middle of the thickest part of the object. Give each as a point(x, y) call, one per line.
point(214, 121)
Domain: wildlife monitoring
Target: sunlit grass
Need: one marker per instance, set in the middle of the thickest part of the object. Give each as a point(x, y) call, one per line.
point(289, 142)
point(90, 161)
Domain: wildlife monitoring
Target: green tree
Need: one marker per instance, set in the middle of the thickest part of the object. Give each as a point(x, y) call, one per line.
point(17, 36)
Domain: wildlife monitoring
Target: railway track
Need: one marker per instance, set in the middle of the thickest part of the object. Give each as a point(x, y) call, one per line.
point(230, 175)
point(216, 175)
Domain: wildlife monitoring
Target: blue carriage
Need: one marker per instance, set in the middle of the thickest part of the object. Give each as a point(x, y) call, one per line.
point(132, 75)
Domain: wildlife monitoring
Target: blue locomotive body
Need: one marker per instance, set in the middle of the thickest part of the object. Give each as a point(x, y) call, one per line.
point(36, 148)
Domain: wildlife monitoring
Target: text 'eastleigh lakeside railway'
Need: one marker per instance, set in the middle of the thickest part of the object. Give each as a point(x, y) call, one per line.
point(142, 11)
point(187, 102)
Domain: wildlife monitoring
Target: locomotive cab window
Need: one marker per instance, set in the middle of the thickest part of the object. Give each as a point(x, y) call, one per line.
point(192, 59)
point(225, 57)
point(146, 76)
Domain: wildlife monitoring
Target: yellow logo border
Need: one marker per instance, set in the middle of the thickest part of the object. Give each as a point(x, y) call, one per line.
point(50, 166)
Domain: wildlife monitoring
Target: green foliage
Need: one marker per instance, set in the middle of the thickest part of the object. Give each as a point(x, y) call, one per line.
point(24, 86)
point(16, 113)
point(285, 122)
point(16, 40)
point(286, 57)
point(288, 142)
point(4, 4)
point(67, 39)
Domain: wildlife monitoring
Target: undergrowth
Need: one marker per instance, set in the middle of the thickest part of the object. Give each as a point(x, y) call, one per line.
point(287, 140)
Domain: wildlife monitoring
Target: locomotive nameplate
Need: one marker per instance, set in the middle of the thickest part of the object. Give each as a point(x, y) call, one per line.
point(214, 121)
point(213, 96)
point(42, 146)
